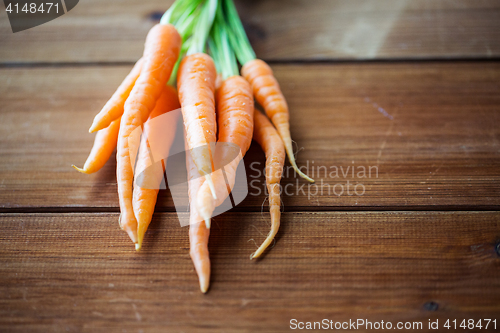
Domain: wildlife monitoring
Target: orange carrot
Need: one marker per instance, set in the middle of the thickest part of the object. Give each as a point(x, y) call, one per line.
point(104, 144)
point(235, 112)
point(265, 134)
point(148, 174)
point(268, 93)
point(198, 232)
point(235, 120)
point(198, 244)
point(160, 54)
point(196, 84)
point(114, 107)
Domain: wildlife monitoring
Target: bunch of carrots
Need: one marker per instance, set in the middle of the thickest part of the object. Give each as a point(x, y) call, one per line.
point(190, 62)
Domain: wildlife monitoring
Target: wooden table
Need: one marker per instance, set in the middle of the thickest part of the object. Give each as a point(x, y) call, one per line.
point(408, 88)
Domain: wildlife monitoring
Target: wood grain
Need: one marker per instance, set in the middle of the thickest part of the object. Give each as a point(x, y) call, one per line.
point(429, 129)
point(369, 29)
point(79, 272)
point(99, 31)
point(418, 244)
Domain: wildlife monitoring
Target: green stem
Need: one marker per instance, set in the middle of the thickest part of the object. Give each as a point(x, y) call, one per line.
point(203, 26)
point(220, 47)
point(183, 14)
point(237, 36)
point(214, 53)
point(167, 16)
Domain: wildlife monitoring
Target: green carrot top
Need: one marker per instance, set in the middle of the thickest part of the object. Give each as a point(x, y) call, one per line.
point(237, 36)
point(193, 20)
point(220, 47)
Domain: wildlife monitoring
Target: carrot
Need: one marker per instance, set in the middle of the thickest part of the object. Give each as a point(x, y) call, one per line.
point(198, 232)
point(265, 86)
point(185, 16)
point(196, 84)
point(104, 144)
point(160, 54)
point(198, 249)
point(235, 111)
point(267, 137)
point(235, 121)
point(149, 174)
point(268, 93)
point(113, 109)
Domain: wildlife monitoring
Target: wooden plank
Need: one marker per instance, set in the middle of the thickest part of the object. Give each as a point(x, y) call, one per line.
point(427, 131)
point(93, 31)
point(97, 31)
point(79, 272)
point(369, 29)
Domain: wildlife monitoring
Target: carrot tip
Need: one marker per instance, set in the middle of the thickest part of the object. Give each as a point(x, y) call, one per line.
point(301, 174)
point(92, 128)
point(132, 236)
point(137, 246)
point(204, 282)
point(211, 185)
point(77, 168)
point(291, 158)
point(256, 254)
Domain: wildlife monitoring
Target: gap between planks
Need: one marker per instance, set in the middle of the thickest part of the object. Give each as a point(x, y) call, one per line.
point(272, 62)
point(291, 209)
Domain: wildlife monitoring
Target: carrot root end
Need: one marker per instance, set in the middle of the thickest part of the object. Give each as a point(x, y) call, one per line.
point(301, 174)
point(257, 253)
point(93, 128)
point(132, 235)
point(79, 169)
point(203, 285)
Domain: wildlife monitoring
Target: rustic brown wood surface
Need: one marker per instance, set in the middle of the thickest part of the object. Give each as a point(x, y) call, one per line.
point(417, 135)
point(421, 243)
point(78, 272)
point(104, 31)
